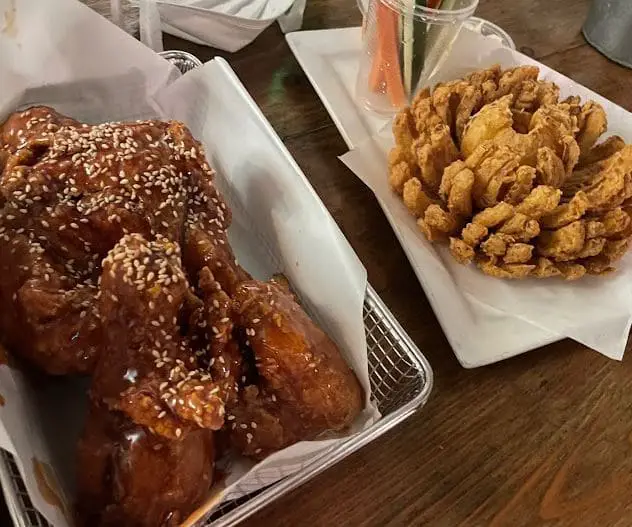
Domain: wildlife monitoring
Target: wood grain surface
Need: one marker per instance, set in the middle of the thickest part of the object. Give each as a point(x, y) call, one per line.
point(541, 439)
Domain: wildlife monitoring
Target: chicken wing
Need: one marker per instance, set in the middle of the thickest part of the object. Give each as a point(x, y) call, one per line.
point(153, 408)
point(304, 385)
point(129, 476)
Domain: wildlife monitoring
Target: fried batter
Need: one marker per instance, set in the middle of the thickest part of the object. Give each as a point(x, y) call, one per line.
point(610, 186)
point(456, 188)
point(462, 252)
point(566, 212)
point(537, 194)
point(521, 185)
point(520, 227)
point(594, 229)
point(473, 233)
point(434, 151)
point(496, 244)
point(592, 122)
point(602, 151)
point(493, 216)
point(571, 270)
point(615, 222)
point(511, 271)
point(549, 167)
point(405, 133)
point(486, 124)
point(398, 175)
point(518, 253)
point(564, 243)
point(455, 102)
point(542, 200)
point(438, 224)
point(415, 198)
point(545, 268)
point(490, 176)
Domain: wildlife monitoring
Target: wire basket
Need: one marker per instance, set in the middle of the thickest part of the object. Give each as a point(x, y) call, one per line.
point(401, 380)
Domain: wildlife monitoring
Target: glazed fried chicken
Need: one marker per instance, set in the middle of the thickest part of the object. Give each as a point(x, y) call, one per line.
point(153, 407)
point(115, 262)
point(131, 477)
point(69, 193)
point(304, 386)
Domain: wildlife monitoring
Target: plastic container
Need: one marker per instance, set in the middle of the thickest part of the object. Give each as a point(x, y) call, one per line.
point(490, 30)
point(403, 44)
point(474, 23)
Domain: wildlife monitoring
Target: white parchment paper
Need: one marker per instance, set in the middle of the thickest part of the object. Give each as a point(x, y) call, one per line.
point(86, 67)
point(487, 319)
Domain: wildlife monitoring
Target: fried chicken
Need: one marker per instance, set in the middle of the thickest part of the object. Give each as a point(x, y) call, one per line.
point(70, 192)
point(129, 476)
point(151, 402)
point(304, 386)
point(116, 262)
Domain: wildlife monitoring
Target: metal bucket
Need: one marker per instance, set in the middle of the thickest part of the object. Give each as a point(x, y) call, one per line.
point(608, 29)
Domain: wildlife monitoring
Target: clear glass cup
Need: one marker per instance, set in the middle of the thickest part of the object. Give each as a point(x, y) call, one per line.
point(403, 44)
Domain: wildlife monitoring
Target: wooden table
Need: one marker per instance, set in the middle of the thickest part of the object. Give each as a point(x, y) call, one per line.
point(541, 439)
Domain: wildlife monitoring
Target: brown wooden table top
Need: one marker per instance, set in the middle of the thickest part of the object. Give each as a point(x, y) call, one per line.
point(540, 439)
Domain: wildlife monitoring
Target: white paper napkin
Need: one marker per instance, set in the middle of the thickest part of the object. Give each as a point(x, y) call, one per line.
point(226, 24)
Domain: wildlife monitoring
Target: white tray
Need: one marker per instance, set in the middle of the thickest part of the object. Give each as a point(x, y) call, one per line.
point(330, 60)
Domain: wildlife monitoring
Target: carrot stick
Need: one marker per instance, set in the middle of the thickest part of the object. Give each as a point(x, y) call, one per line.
point(387, 31)
point(376, 77)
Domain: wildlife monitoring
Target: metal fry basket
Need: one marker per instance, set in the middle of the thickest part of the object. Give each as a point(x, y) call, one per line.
point(401, 381)
point(181, 59)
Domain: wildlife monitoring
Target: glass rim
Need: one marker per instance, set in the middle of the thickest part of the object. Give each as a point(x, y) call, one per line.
point(431, 14)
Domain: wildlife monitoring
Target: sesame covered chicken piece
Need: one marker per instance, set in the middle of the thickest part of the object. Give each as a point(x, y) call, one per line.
point(149, 370)
point(153, 406)
point(68, 193)
point(304, 385)
point(115, 262)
